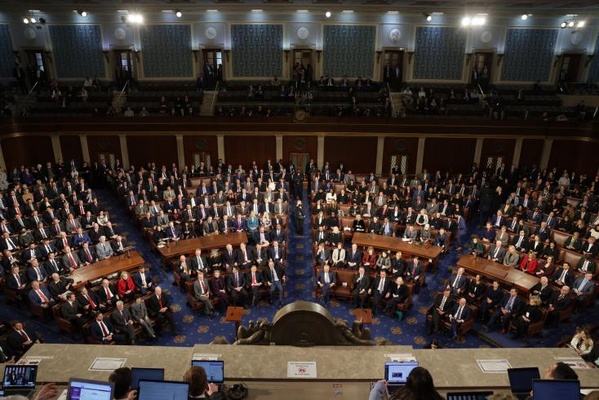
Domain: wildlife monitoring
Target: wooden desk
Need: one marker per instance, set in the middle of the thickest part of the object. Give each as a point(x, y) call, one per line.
point(188, 246)
point(234, 314)
point(502, 273)
point(107, 267)
point(396, 244)
point(363, 315)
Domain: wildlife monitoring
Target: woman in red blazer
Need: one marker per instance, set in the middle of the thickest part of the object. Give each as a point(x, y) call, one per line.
point(126, 287)
point(369, 259)
point(529, 263)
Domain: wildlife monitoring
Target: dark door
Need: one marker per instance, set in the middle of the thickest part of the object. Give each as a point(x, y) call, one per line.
point(301, 67)
point(570, 69)
point(37, 67)
point(124, 67)
point(482, 68)
point(213, 66)
point(393, 68)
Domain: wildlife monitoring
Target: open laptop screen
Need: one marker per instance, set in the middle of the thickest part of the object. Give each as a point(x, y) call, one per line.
point(82, 389)
point(19, 377)
point(397, 372)
point(152, 374)
point(521, 379)
point(163, 390)
point(215, 369)
point(555, 389)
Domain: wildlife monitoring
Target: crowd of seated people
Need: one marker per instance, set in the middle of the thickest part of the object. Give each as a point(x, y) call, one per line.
point(254, 203)
point(53, 226)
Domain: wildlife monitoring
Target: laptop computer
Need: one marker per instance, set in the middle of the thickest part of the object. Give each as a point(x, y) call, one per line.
point(215, 370)
point(161, 390)
point(19, 379)
point(150, 374)
point(80, 389)
point(562, 389)
point(469, 395)
point(521, 380)
point(396, 374)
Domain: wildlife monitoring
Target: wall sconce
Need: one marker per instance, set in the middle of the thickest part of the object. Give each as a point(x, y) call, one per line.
point(286, 55)
point(227, 53)
point(378, 56)
point(499, 59)
point(318, 53)
point(410, 55)
point(589, 59)
point(106, 55)
point(196, 55)
point(468, 57)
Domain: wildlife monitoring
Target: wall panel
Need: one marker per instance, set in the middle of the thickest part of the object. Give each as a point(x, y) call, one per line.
point(400, 146)
point(453, 155)
point(528, 54)
point(159, 149)
point(70, 147)
point(166, 51)
point(245, 149)
point(439, 43)
point(27, 150)
point(532, 150)
point(574, 156)
point(77, 50)
point(498, 147)
point(104, 144)
point(200, 144)
point(7, 58)
point(257, 50)
point(299, 144)
point(348, 50)
point(358, 154)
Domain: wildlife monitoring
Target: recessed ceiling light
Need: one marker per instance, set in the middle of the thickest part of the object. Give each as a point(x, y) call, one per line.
point(524, 17)
point(327, 14)
point(580, 24)
point(257, 10)
point(212, 11)
point(178, 14)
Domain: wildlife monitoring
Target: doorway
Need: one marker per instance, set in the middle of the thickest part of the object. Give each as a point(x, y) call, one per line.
point(570, 67)
point(213, 67)
point(302, 69)
point(124, 67)
point(299, 160)
point(482, 69)
point(392, 66)
point(37, 68)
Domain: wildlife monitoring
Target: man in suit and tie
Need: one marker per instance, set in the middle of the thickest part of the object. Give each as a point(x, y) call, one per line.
point(40, 296)
point(35, 272)
point(326, 282)
point(458, 282)
point(379, 290)
point(459, 314)
point(563, 276)
point(201, 291)
point(560, 300)
point(6, 242)
point(276, 253)
point(354, 257)
point(89, 301)
point(17, 282)
point(59, 286)
point(440, 309)
point(122, 322)
point(255, 282)
point(496, 252)
point(198, 262)
point(103, 249)
point(102, 331)
point(542, 290)
point(274, 279)
point(108, 294)
point(586, 264)
point(583, 287)
point(143, 280)
point(21, 339)
point(73, 312)
point(87, 254)
point(236, 286)
point(159, 308)
point(414, 271)
point(509, 308)
point(210, 226)
point(361, 286)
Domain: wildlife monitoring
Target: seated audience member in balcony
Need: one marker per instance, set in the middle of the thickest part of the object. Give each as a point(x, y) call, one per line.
point(159, 308)
point(339, 256)
point(122, 322)
point(488, 235)
point(458, 282)
point(383, 262)
point(586, 264)
point(550, 250)
point(410, 234)
point(40, 296)
point(531, 314)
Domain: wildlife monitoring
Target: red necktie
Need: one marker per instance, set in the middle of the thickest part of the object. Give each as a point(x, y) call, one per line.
point(253, 278)
point(104, 329)
point(42, 296)
point(91, 302)
point(25, 336)
point(160, 302)
point(89, 256)
point(73, 263)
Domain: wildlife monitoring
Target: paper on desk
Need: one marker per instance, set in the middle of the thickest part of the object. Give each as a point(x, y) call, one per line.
point(208, 357)
point(401, 357)
point(107, 364)
point(493, 366)
point(30, 361)
point(574, 362)
point(301, 369)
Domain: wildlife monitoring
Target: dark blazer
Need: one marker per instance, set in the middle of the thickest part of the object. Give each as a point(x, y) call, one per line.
point(386, 285)
point(154, 305)
point(96, 331)
point(231, 284)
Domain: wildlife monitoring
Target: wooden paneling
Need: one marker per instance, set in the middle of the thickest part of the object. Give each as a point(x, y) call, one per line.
point(358, 154)
point(71, 148)
point(245, 149)
point(159, 149)
point(199, 144)
point(104, 144)
point(400, 146)
point(299, 144)
point(532, 150)
point(452, 155)
point(498, 147)
point(27, 150)
point(574, 156)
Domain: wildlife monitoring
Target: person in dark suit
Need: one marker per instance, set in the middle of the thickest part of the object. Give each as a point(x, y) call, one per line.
point(143, 280)
point(277, 254)
point(361, 287)
point(583, 287)
point(87, 254)
point(17, 281)
point(122, 322)
point(399, 294)
point(60, 286)
point(236, 286)
point(229, 258)
point(219, 288)
point(102, 331)
point(354, 257)
point(20, 339)
point(542, 290)
point(274, 279)
point(72, 311)
point(198, 262)
point(40, 296)
point(254, 281)
point(492, 297)
point(440, 309)
point(36, 273)
point(159, 308)
point(559, 302)
point(413, 271)
point(326, 282)
point(89, 301)
point(563, 276)
point(52, 265)
point(458, 282)
point(108, 294)
point(379, 290)
point(459, 314)
point(531, 314)
point(509, 308)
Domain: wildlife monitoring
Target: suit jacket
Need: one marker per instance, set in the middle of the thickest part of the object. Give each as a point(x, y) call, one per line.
point(104, 296)
point(69, 311)
point(138, 311)
point(591, 267)
point(465, 315)
point(354, 257)
point(332, 278)
point(545, 293)
point(376, 283)
point(104, 250)
point(517, 305)
point(268, 274)
point(120, 320)
point(587, 289)
point(154, 304)
point(32, 274)
point(15, 340)
point(88, 258)
point(83, 301)
point(231, 284)
point(96, 330)
point(36, 299)
point(568, 280)
point(197, 288)
point(497, 253)
point(12, 283)
point(447, 306)
point(362, 283)
point(68, 263)
point(461, 283)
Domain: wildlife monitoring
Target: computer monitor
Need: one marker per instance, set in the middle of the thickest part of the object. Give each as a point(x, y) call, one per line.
point(397, 372)
point(81, 389)
point(521, 379)
point(161, 390)
point(215, 369)
point(149, 374)
point(469, 395)
point(19, 377)
point(562, 389)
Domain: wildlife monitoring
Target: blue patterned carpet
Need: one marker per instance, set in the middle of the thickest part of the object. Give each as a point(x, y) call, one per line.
point(198, 329)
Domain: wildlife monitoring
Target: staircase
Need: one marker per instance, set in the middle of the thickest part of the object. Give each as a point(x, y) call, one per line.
point(208, 101)
point(397, 105)
point(119, 100)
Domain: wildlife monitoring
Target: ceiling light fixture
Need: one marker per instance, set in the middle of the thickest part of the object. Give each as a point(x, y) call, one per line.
point(347, 11)
point(581, 24)
point(393, 12)
point(428, 17)
point(327, 14)
point(135, 18)
point(524, 17)
point(178, 14)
